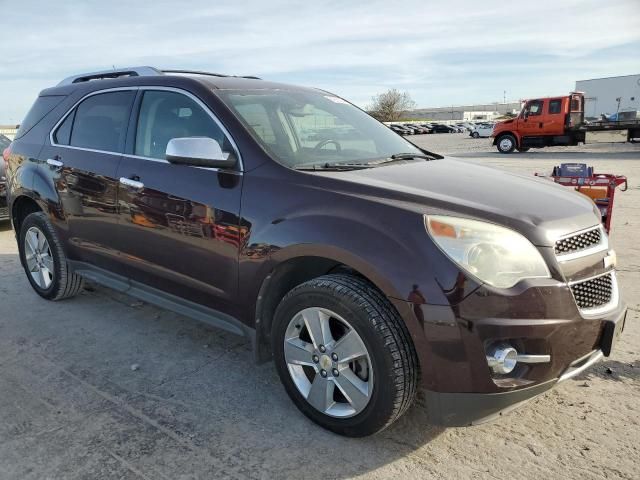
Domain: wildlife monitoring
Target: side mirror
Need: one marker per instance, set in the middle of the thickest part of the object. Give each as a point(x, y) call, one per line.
point(198, 152)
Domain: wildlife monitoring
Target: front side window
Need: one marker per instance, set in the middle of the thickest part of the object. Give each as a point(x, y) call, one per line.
point(304, 128)
point(99, 122)
point(165, 115)
point(534, 107)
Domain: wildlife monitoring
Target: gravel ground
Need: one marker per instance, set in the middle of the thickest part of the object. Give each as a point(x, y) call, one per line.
point(72, 407)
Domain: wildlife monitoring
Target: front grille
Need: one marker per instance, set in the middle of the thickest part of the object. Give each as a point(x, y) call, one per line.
point(4, 212)
point(581, 241)
point(594, 292)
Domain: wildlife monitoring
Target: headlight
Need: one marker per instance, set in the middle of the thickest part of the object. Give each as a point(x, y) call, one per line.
point(493, 254)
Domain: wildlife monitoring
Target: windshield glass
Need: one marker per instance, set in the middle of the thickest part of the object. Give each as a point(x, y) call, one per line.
point(307, 128)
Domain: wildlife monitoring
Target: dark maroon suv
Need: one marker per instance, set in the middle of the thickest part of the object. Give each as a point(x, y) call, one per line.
point(342, 251)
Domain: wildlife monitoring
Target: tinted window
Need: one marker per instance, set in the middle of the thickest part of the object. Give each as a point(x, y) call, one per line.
point(166, 115)
point(101, 121)
point(555, 106)
point(37, 112)
point(62, 136)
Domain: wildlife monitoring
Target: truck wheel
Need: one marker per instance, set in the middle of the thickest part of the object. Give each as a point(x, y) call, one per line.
point(475, 135)
point(506, 143)
point(523, 149)
point(344, 355)
point(44, 260)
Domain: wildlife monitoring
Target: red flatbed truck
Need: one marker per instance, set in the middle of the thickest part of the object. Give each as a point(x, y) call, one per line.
point(546, 122)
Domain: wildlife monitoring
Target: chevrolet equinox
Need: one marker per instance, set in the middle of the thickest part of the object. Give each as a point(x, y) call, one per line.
point(346, 254)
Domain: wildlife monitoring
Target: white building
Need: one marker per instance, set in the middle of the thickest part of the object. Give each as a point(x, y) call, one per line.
point(610, 95)
point(9, 131)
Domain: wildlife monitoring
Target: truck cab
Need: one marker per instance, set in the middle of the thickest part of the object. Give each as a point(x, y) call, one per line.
point(542, 122)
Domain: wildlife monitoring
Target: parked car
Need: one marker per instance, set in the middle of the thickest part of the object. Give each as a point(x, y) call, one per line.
point(4, 211)
point(481, 131)
point(417, 129)
point(365, 267)
point(439, 128)
point(401, 129)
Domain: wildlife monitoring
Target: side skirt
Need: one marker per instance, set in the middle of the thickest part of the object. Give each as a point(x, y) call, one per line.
point(162, 299)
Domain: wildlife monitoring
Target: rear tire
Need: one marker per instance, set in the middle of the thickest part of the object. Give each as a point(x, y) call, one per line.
point(506, 143)
point(44, 260)
point(386, 374)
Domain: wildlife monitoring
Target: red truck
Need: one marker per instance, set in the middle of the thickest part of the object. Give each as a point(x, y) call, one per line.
point(546, 122)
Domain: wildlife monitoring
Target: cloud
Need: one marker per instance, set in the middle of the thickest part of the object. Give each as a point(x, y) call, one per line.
point(442, 53)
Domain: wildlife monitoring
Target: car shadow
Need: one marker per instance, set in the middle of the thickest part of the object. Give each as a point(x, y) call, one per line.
point(613, 370)
point(154, 388)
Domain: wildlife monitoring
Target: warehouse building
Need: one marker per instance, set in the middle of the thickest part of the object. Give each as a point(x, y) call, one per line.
point(466, 113)
point(610, 95)
point(9, 131)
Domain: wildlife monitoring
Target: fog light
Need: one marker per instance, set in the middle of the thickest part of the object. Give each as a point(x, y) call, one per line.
point(502, 359)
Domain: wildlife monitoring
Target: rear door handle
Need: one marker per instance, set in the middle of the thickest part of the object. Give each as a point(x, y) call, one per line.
point(134, 184)
point(55, 164)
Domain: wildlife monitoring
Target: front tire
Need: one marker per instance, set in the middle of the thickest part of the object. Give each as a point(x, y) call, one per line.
point(523, 149)
point(44, 260)
point(344, 355)
point(506, 143)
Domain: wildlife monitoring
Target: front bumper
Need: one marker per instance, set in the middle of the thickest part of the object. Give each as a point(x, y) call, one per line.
point(463, 409)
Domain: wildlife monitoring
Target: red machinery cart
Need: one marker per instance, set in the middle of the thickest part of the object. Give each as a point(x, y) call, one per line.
point(600, 187)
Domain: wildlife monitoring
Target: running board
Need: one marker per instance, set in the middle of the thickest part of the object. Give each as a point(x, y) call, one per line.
point(162, 299)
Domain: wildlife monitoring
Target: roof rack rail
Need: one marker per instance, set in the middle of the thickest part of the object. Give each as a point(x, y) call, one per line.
point(115, 73)
point(211, 74)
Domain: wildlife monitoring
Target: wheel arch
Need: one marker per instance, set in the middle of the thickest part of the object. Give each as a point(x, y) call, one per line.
point(515, 134)
point(282, 278)
point(21, 207)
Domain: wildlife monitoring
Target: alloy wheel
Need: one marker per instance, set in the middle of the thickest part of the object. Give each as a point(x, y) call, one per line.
point(37, 254)
point(328, 362)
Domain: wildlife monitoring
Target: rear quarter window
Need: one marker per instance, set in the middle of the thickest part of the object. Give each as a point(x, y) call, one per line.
point(42, 106)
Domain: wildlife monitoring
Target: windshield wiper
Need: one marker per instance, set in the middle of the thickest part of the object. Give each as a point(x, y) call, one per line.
point(411, 156)
point(337, 166)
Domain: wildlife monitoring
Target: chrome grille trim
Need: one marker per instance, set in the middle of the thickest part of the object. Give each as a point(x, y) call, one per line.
point(579, 287)
point(580, 244)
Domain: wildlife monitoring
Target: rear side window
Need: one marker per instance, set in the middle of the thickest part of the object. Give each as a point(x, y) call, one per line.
point(63, 133)
point(555, 106)
point(99, 122)
point(38, 111)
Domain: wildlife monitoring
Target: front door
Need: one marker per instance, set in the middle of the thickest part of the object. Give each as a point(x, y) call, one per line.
point(179, 230)
point(530, 121)
point(83, 160)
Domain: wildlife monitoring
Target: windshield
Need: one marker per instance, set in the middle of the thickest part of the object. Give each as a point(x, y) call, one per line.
point(313, 129)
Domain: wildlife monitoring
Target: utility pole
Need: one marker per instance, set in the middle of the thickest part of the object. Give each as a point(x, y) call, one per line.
point(504, 97)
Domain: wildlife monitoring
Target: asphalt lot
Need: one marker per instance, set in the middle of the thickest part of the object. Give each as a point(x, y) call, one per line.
point(71, 406)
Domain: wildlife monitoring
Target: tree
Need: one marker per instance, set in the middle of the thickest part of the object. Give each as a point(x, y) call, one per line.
point(391, 105)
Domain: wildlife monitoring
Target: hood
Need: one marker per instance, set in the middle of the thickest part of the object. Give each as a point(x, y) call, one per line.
point(536, 207)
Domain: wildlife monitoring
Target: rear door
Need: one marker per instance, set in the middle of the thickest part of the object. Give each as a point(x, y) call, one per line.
point(554, 117)
point(179, 230)
point(83, 157)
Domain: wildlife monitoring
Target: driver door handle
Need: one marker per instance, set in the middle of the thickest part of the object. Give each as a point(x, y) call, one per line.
point(55, 164)
point(133, 184)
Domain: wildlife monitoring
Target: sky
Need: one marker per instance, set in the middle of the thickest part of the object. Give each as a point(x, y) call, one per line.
point(442, 53)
